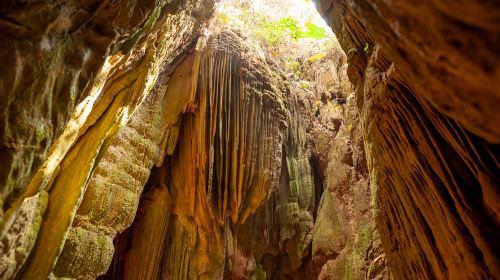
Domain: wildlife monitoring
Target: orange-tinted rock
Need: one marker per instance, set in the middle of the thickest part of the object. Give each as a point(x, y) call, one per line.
point(119, 66)
point(426, 78)
point(254, 178)
point(52, 56)
point(226, 162)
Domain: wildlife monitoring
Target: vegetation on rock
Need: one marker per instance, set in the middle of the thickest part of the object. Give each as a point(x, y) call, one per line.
point(142, 140)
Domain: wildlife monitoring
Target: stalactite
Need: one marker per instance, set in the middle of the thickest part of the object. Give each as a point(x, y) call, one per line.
point(223, 159)
point(228, 161)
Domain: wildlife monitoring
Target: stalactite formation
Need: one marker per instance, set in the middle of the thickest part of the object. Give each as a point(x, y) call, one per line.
point(143, 140)
point(241, 191)
point(227, 161)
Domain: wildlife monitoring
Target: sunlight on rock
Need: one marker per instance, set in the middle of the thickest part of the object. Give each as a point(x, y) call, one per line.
point(240, 139)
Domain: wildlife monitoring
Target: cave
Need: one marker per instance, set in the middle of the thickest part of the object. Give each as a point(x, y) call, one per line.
point(239, 139)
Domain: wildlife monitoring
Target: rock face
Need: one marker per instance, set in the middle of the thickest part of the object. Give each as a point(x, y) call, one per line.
point(234, 185)
point(112, 196)
point(134, 148)
point(78, 71)
point(270, 219)
point(426, 80)
point(228, 160)
point(56, 58)
point(344, 243)
point(226, 163)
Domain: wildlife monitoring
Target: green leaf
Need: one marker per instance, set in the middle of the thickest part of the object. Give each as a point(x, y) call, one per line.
point(365, 49)
point(313, 31)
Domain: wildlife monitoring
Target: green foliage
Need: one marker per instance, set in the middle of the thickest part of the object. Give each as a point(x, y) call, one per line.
point(313, 31)
point(304, 84)
point(366, 48)
point(318, 56)
point(273, 32)
point(289, 26)
point(224, 18)
point(292, 66)
point(40, 135)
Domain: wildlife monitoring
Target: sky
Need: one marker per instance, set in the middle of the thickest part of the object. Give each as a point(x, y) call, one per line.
point(301, 10)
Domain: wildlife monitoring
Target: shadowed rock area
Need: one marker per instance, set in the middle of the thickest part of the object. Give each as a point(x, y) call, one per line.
point(426, 79)
point(156, 139)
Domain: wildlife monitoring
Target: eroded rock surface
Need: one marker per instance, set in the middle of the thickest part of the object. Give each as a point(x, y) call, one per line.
point(133, 148)
point(344, 243)
point(79, 71)
point(243, 189)
point(227, 160)
point(52, 56)
point(426, 79)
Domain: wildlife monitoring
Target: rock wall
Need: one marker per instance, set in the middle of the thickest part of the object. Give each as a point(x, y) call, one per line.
point(285, 226)
point(426, 81)
point(133, 149)
point(79, 71)
point(344, 243)
point(237, 196)
point(228, 160)
point(225, 165)
point(345, 240)
point(237, 187)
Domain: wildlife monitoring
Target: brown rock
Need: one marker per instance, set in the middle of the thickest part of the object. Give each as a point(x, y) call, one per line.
point(108, 60)
point(426, 79)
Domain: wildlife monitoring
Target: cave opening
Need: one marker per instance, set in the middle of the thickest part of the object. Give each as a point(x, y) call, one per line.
point(314, 212)
point(239, 139)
